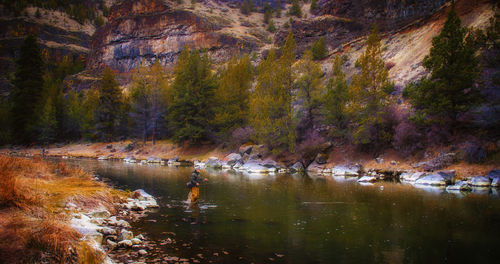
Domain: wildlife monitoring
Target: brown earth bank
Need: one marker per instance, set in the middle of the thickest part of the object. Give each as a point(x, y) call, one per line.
point(53, 213)
point(315, 160)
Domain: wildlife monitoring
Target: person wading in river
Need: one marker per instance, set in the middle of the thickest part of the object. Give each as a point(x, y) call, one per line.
point(194, 184)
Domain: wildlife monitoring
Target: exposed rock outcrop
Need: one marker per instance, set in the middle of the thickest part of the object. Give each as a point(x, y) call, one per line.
point(386, 13)
point(155, 30)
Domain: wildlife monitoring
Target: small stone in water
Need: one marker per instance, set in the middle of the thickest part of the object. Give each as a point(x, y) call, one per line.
point(279, 255)
point(225, 252)
point(143, 252)
point(216, 254)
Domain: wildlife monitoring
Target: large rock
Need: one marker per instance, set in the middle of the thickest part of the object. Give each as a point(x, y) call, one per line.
point(440, 162)
point(83, 224)
point(154, 160)
point(130, 159)
point(214, 162)
point(141, 195)
point(254, 167)
point(125, 235)
point(367, 179)
point(314, 167)
point(107, 231)
point(346, 170)
point(433, 179)
point(494, 174)
point(125, 243)
point(297, 167)
point(480, 181)
point(459, 186)
point(448, 175)
point(232, 159)
point(100, 214)
point(122, 223)
point(411, 176)
point(269, 163)
point(321, 158)
point(495, 182)
point(246, 149)
point(136, 241)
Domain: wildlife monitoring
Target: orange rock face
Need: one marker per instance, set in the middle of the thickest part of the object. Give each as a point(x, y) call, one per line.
point(153, 30)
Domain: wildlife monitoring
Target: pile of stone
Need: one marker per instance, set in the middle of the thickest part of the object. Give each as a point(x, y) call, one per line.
point(105, 232)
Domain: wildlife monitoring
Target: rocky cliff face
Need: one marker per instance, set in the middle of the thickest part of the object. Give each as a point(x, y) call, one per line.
point(342, 21)
point(58, 35)
point(156, 30)
point(388, 14)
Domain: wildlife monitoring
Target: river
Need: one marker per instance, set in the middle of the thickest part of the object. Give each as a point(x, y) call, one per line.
point(302, 219)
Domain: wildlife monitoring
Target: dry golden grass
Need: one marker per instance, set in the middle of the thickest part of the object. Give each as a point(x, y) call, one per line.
point(33, 221)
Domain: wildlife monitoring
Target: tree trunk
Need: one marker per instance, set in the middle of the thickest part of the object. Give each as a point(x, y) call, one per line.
point(145, 133)
point(153, 136)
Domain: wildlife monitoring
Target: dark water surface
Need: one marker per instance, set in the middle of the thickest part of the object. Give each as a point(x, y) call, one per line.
point(299, 219)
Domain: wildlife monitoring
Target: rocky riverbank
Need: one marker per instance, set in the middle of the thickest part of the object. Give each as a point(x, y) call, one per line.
point(110, 235)
point(54, 213)
point(441, 169)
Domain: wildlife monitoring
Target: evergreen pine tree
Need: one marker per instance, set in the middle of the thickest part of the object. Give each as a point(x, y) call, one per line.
point(319, 50)
point(109, 110)
point(74, 114)
point(268, 12)
point(192, 102)
point(314, 5)
point(271, 27)
point(47, 123)
point(309, 88)
point(88, 122)
point(278, 8)
point(148, 100)
point(271, 114)
point(140, 103)
point(295, 9)
point(286, 79)
point(159, 100)
point(454, 68)
point(28, 85)
point(232, 96)
point(369, 97)
point(337, 94)
point(263, 103)
point(53, 90)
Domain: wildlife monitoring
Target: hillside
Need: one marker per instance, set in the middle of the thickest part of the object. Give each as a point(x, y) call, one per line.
point(157, 30)
point(145, 31)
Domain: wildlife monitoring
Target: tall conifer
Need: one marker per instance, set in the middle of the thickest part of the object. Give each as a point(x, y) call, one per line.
point(109, 109)
point(336, 97)
point(28, 85)
point(232, 95)
point(369, 96)
point(193, 94)
point(454, 68)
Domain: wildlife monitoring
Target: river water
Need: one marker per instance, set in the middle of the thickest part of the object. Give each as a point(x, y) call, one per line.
point(302, 219)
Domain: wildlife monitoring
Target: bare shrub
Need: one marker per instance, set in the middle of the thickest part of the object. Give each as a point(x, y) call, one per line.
point(407, 139)
point(241, 136)
point(473, 152)
point(310, 146)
